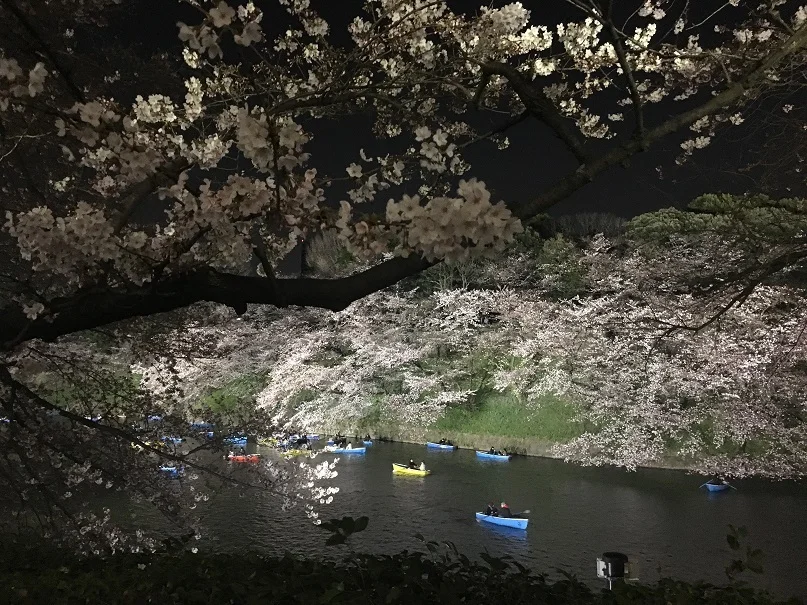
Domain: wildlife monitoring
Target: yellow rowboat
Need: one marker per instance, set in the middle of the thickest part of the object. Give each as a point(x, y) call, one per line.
point(270, 442)
point(402, 469)
point(295, 453)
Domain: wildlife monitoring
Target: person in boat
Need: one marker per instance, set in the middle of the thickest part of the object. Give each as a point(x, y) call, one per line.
point(504, 511)
point(412, 463)
point(491, 510)
point(367, 437)
point(492, 451)
point(443, 441)
point(717, 480)
point(422, 466)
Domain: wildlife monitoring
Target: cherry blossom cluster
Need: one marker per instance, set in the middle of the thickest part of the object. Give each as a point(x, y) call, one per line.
point(419, 65)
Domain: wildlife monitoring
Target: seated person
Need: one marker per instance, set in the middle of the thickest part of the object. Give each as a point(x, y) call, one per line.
point(504, 511)
point(423, 466)
point(412, 463)
point(491, 510)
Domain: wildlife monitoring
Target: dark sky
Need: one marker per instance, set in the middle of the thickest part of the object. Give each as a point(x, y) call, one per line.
point(535, 160)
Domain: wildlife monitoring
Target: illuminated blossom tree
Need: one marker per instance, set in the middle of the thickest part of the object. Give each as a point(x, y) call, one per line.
point(657, 373)
point(423, 72)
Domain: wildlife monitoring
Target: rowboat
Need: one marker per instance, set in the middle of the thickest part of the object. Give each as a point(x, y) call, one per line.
point(313, 437)
point(201, 425)
point(244, 458)
point(492, 456)
point(344, 450)
point(236, 440)
point(268, 441)
point(172, 471)
point(367, 442)
point(171, 439)
point(717, 487)
point(295, 453)
point(402, 469)
point(505, 521)
point(440, 446)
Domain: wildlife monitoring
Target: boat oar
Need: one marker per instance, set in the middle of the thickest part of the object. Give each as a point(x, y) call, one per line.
point(524, 512)
point(704, 485)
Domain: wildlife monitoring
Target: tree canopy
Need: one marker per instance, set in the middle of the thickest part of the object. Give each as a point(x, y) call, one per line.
point(231, 157)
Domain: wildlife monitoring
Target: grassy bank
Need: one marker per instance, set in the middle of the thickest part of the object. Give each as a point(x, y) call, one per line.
point(497, 420)
point(503, 416)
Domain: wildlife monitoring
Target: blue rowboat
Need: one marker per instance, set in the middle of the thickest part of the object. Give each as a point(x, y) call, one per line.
point(330, 442)
point(313, 437)
point(344, 450)
point(367, 442)
point(505, 521)
point(236, 440)
point(440, 446)
point(721, 487)
point(173, 471)
point(171, 439)
point(201, 425)
point(209, 434)
point(154, 418)
point(491, 456)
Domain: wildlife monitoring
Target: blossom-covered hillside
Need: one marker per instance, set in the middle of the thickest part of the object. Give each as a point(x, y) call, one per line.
point(599, 339)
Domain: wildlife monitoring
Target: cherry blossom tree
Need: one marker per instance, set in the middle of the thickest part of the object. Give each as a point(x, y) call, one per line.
point(661, 375)
point(423, 72)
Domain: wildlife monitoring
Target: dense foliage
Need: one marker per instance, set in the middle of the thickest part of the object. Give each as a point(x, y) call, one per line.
point(441, 576)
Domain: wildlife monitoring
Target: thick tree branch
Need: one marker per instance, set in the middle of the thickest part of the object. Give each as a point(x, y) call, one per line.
point(480, 90)
point(96, 309)
point(539, 105)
